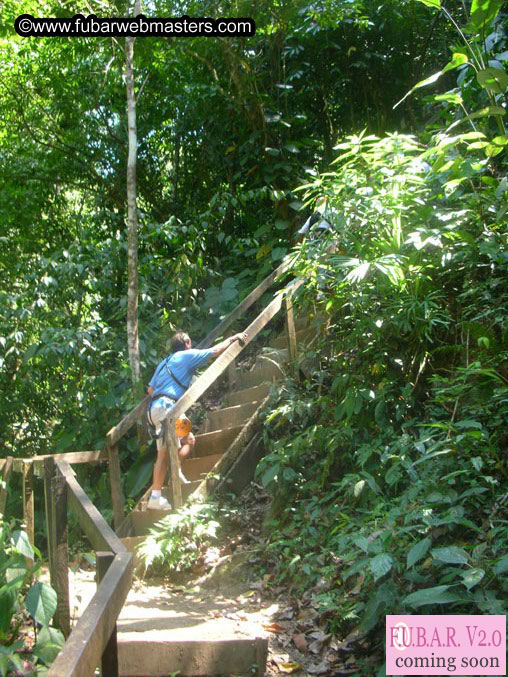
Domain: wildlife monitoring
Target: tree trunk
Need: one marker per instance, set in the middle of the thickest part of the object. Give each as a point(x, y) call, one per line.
point(132, 214)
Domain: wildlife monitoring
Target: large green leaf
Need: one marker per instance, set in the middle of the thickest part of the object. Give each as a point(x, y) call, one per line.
point(417, 552)
point(381, 565)
point(483, 112)
point(493, 79)
point(270, 475)
point(139, 473)
point(472, 577)
point(483, 12)
point(437, 595)
point(7, 605)
point(41, 602)
point(450, 555)
point(22, 544)
point(49, 643)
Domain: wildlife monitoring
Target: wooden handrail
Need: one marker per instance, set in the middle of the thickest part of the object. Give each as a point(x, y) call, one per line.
point(99, 533)
point(69, 457)
point(221, 363)
point(247, 302)
point(85, 646)
point(82, 652)
point(88, 640)
point(119, 430)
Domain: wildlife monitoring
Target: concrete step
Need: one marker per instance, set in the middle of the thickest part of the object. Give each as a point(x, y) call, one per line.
point(215, 442)
point(196, 468)
point(142, 520)
point(230, 416)
point(212, 628)
point(252, 394)
point(155, 654)
point(267, 374)
point(190, 633)
point(302, 337)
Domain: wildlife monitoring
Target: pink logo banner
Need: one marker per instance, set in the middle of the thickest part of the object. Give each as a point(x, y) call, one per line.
point(443, 645)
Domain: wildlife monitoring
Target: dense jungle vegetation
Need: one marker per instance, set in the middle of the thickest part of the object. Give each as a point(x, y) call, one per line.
point(387, 463)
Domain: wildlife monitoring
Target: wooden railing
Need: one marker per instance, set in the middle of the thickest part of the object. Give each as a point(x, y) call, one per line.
point(93, 638)
point(92, 641)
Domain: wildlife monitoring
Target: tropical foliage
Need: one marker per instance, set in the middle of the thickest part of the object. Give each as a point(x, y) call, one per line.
point(386, 461)
point(22, 596)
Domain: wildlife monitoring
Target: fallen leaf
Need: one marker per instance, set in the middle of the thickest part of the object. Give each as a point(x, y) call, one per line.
point(317, 644)
point(274, 627)
point(319, 669)
point(301, 642)
point(288, 668)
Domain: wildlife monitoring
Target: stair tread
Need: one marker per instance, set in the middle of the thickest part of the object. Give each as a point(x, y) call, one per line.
point(250, 394)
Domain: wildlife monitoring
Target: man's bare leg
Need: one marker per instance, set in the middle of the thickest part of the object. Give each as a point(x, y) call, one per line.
point(160, 467)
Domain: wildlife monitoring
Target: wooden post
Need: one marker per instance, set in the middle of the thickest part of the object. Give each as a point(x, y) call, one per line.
point(117, 496)
point(5, 483)
point(28, 499)
point(171, 441)
point(109, 660)
point(290, 325)
point(49, 473)
point(60, 554)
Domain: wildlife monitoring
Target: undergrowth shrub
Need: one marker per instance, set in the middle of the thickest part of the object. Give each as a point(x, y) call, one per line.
point(387, 462)
point(23, 600)
point(178, 541)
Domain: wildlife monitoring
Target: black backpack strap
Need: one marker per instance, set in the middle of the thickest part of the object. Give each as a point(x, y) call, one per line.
point(174, 377)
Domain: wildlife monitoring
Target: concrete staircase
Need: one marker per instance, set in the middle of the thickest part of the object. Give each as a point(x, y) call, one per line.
point(225, 456)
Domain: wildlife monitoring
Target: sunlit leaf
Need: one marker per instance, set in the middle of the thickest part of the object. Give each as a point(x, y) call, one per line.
point(449, 97)
point(472, 577)
point(483, 12)
point(289, 668)
point(435, 4)
point(458, 59)
point(22, 544)
point(484, 112)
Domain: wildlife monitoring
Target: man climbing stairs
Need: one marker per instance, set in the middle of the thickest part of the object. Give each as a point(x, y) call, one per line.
point(226, 434)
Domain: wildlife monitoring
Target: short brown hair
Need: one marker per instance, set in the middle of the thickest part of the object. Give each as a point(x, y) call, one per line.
point(178, 341)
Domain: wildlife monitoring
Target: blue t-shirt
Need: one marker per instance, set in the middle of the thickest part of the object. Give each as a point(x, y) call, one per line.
point(183, 364)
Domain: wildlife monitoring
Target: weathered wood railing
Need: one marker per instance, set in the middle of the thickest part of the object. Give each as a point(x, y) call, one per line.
point(218, 367)
point(92, 641)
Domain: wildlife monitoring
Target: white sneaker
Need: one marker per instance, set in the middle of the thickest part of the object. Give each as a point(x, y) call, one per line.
point(158, 503)
point(182, 477)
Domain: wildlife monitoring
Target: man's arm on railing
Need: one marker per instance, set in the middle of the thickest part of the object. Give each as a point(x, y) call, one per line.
point(224, 345)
